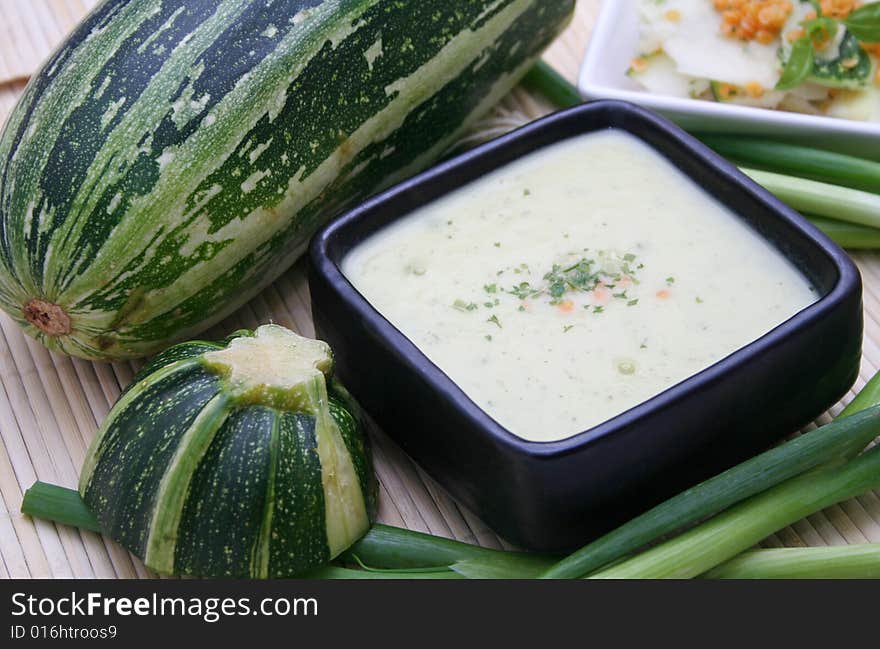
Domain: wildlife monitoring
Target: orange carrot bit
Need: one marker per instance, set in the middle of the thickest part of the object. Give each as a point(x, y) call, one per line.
point(601, 294)
point(624, 281)
point(663, 294)
point(567, 306)
point(755, 89)
point(638, 65)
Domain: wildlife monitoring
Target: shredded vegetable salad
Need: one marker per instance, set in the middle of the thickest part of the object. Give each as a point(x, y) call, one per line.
point(808, 56)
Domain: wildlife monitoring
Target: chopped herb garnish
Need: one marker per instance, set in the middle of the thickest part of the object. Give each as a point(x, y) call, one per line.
point(491, 288)
point(527, 192)
point(488, 337)
point(699, 300)
point(497, 244)
point(495, 321)
point(567, 328)
point(629, 257)
point(598, 309)
point(461, 305)
point(488, 305)
point(670, 280)
point(620, 296)
point(632, 302)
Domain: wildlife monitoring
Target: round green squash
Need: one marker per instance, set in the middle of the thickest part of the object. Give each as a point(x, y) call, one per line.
point(234, 459)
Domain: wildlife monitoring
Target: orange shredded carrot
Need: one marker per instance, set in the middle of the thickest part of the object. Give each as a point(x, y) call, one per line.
point(663, 294)
point(760, 20)
point(567, 306)
point(639, 65)
point(755, 89)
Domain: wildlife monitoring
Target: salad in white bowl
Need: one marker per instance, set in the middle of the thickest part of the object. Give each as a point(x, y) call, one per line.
point(816, 57)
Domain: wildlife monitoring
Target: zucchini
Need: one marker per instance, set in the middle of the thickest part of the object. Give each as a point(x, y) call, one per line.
point(173, 157)
point(233, 459)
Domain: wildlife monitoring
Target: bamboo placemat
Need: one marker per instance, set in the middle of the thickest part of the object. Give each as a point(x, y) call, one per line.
point(50, 405)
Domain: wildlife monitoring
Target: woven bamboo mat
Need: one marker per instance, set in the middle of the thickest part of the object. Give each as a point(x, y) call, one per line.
point(51, 405)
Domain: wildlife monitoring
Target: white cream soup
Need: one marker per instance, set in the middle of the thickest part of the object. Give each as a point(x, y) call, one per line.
point(575, 283)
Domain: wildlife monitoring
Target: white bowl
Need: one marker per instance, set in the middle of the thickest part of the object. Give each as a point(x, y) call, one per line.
point(603, 76)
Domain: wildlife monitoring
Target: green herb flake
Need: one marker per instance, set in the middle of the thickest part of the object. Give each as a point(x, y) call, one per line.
point(598, 309)
point(497, 244)
point(495, 321)
point(527, 192)
point(799, 65)
point(670, 281)
point(567, 328)
point(632, 302)
point(699, 300)
point(488, 337)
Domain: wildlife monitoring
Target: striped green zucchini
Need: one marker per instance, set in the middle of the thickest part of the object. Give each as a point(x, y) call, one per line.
point(237, 459)
point(174, 156)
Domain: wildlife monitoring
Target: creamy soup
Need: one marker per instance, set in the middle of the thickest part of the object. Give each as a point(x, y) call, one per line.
point(575, 283)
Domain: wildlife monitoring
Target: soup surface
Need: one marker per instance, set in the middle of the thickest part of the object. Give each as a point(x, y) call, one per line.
point(575, 283)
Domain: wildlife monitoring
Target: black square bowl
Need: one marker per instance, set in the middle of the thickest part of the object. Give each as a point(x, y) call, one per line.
point(556, 495)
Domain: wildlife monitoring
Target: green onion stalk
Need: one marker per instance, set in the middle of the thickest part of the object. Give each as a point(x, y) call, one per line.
point(737, 529)
point(860, 561)
point(847, 235)
point(821, 199)
point(831, 443)
point(383, 553)
point(797, 160)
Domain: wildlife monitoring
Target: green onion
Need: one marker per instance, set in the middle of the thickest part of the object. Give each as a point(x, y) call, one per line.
point(866, 398)
point(384, 549)
point(792, 159)
point(848, 235)
point(548, 82)
point(821, 199)
point(719, 539)
point(337, 572)
point(828, 443)
point(58, 504)
point(394, 548)
point(837, 562)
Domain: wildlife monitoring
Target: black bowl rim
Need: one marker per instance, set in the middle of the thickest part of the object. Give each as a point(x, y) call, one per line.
point(322, 262)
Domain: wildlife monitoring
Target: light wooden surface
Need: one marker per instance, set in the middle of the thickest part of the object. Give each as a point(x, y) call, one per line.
point(50, 405)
